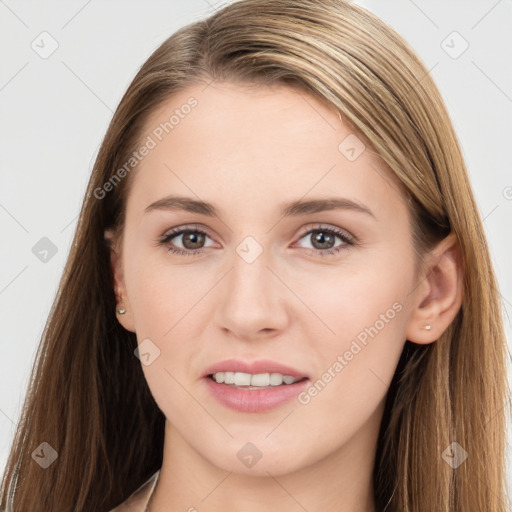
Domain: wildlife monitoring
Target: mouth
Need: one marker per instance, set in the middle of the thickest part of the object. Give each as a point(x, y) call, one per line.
point(248, 381)
point(254, 387)
point(259, 369)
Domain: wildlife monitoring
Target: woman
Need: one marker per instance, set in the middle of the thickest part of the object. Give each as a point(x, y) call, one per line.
point(279, 294)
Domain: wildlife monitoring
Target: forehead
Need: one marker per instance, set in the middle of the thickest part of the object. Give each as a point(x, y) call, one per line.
point(254, 146)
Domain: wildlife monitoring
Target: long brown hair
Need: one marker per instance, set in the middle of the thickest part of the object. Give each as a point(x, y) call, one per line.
point(88, 398)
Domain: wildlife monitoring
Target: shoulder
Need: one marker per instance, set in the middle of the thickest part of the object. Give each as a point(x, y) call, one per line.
point(138, 500)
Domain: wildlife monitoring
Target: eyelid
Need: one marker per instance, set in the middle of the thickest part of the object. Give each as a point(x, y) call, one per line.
point(187, 227)
point(304, 230)
point(322, 226)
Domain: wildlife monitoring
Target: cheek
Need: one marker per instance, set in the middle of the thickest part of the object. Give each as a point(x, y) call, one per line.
point(355, 359)
point(160, 293)
point(163, 300)
point(360, 300)
point(353, 369)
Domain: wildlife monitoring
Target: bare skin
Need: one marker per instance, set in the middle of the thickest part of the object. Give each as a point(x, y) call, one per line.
point(247, 151)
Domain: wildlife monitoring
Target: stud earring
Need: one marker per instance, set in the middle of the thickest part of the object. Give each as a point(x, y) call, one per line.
point(121, 311)
point(427, 327)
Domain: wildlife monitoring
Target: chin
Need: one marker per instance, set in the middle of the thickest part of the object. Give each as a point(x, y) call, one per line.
point(244, 456)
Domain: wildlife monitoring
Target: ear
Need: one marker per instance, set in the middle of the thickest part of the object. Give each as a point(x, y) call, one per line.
point(122, 302)
point(438, 297)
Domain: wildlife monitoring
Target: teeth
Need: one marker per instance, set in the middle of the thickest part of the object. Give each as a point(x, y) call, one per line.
point(242, 379)
point(276, 379)
point(258, 380)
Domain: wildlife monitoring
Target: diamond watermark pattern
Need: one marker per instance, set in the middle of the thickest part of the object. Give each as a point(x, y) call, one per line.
point(147, 352)
point(351, 147)
point(44, 45)
point(249, 249)
point(454, 45)
point(454, 455)
point(44, 455)
point(44, 250)
point(249, 455)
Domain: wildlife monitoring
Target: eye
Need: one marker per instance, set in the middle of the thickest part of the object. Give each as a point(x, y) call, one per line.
point(323, 239)
point(192, 241)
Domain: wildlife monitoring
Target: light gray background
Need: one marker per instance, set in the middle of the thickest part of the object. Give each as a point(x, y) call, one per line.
point(55, 111)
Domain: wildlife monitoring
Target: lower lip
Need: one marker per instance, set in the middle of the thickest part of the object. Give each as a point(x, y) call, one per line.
point(254, 400)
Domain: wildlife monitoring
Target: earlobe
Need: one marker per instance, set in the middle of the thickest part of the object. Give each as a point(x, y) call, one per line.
point(438, 298)
point(123, 311)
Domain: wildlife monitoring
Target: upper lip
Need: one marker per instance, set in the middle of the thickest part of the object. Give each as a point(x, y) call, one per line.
point(254, 367)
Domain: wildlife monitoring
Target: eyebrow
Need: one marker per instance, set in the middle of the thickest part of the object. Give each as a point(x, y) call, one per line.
point(291, 209)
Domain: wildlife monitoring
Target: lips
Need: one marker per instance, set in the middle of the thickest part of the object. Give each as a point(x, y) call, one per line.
point(250, 399)
point(254, 367)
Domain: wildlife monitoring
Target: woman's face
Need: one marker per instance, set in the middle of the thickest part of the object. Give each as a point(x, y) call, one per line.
point(266, 282)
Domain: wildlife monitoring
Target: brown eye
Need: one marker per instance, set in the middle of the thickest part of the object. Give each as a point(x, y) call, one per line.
point(193, 240)
point(322, 240)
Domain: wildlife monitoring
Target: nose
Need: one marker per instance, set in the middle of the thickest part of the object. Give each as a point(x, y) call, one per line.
point(252, 300)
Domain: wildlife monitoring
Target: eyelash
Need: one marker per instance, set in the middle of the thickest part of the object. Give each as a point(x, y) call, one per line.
point(347, 239)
